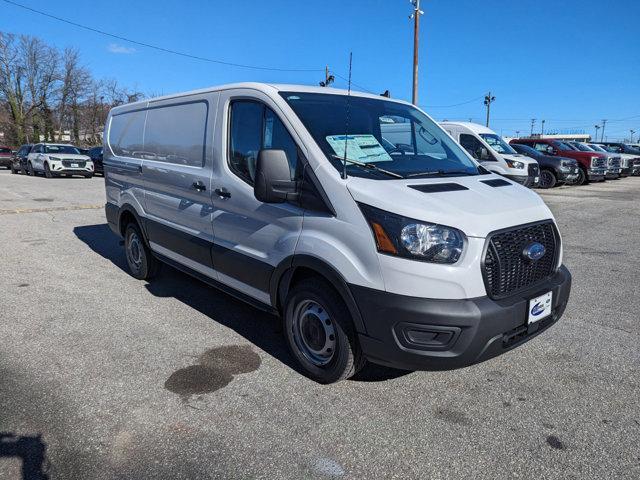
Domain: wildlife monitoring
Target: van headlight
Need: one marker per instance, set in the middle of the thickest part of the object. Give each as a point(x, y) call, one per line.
point(514, 164)
point(415, 239)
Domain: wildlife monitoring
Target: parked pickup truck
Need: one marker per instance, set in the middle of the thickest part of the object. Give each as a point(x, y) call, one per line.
point(554, 171)
point(624, 150)
point(593, 165)
point(614, 161)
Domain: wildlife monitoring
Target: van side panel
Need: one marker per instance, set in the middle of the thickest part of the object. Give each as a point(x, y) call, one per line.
point(177, 168)
point(124, 183)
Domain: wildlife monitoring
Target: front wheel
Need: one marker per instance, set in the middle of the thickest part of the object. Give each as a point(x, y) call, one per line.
point(47, 171)
point(30, 171)
point(547, 179)
point(582, 177)
point(142, 264)
point(320, 333)
point(13, 170)
point(90, 175)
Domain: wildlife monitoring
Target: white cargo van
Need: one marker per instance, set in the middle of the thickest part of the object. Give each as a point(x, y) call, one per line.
point(402, 251)
point(494, 153)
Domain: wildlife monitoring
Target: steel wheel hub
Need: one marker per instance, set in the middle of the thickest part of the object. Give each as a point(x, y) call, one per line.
point(314, 332)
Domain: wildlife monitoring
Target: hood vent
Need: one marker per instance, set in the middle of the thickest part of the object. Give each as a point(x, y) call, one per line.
point(496, 182)
point(438, 187)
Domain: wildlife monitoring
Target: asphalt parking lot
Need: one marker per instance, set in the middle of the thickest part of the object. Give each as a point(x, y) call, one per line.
point(103, 376)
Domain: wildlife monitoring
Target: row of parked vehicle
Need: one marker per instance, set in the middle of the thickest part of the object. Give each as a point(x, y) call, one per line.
point(52, 160)
point(546, 162)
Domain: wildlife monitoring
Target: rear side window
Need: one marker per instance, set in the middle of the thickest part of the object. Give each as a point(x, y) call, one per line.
point(253, 127)
point(126, 134)
point(177, 134)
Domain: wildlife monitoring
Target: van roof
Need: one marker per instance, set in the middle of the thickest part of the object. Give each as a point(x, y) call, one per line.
point(474, 127)
point(262, 87)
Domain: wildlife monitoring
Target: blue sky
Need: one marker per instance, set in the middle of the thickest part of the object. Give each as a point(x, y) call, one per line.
point(570, 62)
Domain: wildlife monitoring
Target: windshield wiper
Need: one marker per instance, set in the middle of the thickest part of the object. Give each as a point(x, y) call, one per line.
point(440, 172)
point(369, 166)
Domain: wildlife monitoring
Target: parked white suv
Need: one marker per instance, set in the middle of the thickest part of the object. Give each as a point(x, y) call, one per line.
point(403, 252)
point(55, 159)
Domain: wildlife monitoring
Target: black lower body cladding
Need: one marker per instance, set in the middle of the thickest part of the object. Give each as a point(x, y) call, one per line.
point(426, 334)
point(527, 181)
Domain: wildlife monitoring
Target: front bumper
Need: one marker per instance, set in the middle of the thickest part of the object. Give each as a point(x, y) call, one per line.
point(613, 173)
point(6, 162)
point(596, 174)
point(568, 175)
point(427, 334)
point(527, 181)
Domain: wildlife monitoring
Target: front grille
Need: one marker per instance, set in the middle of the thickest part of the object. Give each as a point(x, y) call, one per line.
point(614, 162)
point(597, 162)
point(534, 170)
point(505, 268)
point(67, 163)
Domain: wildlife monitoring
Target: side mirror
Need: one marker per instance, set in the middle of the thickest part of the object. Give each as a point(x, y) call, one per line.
point(273, 182)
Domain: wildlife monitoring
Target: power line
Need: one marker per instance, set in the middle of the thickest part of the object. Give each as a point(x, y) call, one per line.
point(161, 49)
point(455, 104)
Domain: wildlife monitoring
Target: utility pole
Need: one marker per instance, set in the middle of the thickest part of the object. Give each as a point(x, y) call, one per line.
point(604, 122)
point(597, 127)
point(416, 35)
point(533, 122)
point(542, 131)
point(328, 79)
point(632, 131)
point(487, 101)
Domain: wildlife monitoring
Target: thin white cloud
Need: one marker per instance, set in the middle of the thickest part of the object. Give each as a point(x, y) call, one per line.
point(121, 49)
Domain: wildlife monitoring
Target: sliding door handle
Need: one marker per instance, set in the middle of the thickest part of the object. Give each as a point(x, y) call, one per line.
point(199, 186)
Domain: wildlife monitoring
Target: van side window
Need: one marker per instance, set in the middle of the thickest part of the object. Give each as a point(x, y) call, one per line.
point(126, 134)
point(177, 134)
point(472, 145)
point(253, 126)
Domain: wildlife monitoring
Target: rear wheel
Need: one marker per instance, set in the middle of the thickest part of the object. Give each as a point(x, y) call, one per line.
point(320, 333)
point(142, 264)
point(547, 179)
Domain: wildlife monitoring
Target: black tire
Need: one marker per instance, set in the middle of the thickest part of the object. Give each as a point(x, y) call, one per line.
point(47, 171)
point(142, 264)
point(548, 179)
point(13, 170)
point(583, 179)
point(30, 171)
point(327, 316)
point(89, 176)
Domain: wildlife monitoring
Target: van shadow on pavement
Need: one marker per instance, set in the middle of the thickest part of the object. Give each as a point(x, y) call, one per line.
point(260, 328)
point(30, 450)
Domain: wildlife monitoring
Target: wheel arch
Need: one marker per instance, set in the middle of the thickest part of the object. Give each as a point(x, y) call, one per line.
point(297, 267)
point(127, 214)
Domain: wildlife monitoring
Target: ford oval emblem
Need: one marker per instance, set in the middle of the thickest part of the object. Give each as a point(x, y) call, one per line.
point(534, 251)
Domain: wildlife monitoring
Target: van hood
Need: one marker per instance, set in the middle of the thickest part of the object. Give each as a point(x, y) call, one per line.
point(466, 203)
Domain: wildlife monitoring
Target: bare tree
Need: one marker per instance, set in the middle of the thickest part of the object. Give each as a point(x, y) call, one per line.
point(13, 85)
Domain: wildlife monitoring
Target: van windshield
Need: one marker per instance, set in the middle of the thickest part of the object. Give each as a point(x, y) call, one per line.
point(497, 143)
point(382, 139)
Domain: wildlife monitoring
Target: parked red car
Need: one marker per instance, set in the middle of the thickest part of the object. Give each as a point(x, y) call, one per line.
point(593, 165)
point(5, 157)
